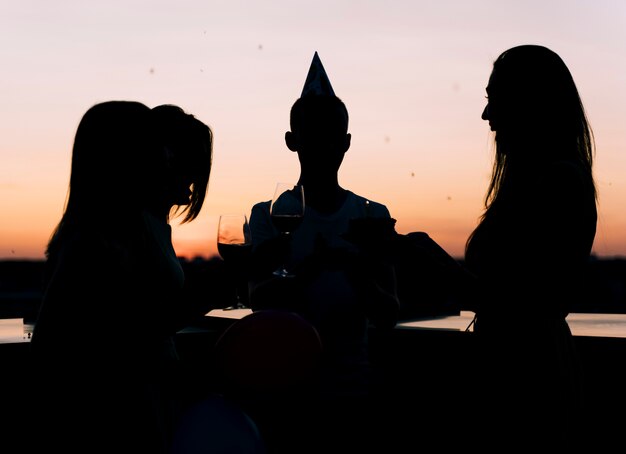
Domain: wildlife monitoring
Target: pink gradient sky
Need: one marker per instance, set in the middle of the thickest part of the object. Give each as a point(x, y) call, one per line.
point(411, 73)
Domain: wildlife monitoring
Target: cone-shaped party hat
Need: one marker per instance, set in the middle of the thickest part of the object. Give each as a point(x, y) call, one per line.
point(317, 82)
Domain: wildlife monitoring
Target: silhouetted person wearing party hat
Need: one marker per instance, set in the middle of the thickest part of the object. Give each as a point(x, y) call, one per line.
point(342, 284)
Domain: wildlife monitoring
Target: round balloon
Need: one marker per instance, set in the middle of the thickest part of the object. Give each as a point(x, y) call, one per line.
point(268, 349)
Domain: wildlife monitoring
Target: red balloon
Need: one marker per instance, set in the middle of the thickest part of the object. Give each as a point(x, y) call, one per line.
point(268, 350)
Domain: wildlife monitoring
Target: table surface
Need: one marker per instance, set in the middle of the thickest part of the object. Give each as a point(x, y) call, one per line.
point(14, 330)
point(581, 324)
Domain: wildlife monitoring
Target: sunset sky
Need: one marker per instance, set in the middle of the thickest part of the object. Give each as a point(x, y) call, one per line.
point(412, 73)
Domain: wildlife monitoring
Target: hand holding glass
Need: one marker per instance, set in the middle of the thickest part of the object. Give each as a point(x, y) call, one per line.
point(287, 212)
point(234, 243)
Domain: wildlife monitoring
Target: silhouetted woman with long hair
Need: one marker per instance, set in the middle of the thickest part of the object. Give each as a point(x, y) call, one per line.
point(113, 293)
point(531, 248)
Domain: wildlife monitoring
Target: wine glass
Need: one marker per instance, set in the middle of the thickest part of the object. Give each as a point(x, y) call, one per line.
point(287, 212)
point(234, 243)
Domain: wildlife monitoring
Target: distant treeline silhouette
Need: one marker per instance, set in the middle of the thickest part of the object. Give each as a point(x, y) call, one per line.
point(20, 285)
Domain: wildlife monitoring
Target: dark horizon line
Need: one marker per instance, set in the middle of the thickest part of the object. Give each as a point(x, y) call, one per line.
point(218, 257)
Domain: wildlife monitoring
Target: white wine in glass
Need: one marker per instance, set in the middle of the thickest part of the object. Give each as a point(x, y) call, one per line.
point(234, 244)
point(287, 212)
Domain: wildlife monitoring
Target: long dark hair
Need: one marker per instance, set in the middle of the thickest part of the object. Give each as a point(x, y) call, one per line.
point(191, 141)
point(115, 169)
point(540, 119)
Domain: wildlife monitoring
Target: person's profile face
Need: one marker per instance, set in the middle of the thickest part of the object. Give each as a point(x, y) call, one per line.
point(179, 180)
point(490, 112)
point(180, 187)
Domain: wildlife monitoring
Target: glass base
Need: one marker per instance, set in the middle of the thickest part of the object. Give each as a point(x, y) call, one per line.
point(237, 305)
point(282, 272)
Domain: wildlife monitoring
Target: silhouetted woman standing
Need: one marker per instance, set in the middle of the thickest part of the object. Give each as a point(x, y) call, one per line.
point(103, 342)
point(531, 248)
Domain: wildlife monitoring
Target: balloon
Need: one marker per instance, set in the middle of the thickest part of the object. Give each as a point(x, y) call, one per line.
point(268, 350)
point(218, 426)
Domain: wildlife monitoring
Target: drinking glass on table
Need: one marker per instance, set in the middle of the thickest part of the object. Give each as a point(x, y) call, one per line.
point(287, 212)
point(234, 244)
